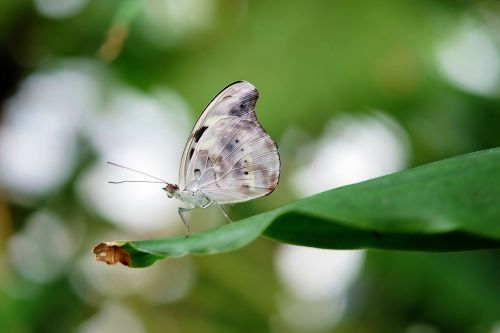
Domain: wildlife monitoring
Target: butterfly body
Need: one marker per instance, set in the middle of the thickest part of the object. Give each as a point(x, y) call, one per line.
point(228, 158)
point(192, 196)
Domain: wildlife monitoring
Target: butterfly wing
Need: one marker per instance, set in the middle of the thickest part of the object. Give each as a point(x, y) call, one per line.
point(236, 100)
point(229, 156)
point(246, 168)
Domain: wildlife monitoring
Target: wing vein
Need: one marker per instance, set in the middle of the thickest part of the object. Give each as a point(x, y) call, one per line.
point(243, 167)
point(270, 144)
point(225, 158)
point(224, 175)
point(220, 152)
point(225, 193)
point(217, 139)
point(223, 105)
point(221, 178)
point(211, 164)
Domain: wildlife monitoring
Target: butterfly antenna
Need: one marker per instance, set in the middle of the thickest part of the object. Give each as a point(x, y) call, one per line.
point(142, 173)
point(135, 181)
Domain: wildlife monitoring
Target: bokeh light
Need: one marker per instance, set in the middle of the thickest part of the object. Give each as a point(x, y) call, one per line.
point(39, 136)
point(168, 22)
point(148, 134)
point(59, 9)
point(113, 317)
point(352, 149)
point(316, 283)
point(470, 59)
point(42, 250)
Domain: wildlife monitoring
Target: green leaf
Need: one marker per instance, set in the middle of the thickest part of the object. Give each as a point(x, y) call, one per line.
point(449, 205)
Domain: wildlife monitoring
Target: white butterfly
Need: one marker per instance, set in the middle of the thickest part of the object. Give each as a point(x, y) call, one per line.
point(228, 158)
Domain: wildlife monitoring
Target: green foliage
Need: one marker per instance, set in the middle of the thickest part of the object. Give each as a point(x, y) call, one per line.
point(443, 206)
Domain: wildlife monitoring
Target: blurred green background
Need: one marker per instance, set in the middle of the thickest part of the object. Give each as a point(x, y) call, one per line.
point(350, 90)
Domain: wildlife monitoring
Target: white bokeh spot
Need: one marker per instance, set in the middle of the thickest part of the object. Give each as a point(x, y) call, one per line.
point(316, 282)
point(59, 8)
point(141, 132)
point(112, 317)
point(38, 135)
point(352, 149)
point(42, 249)
point(470, 60)
point(314, 274)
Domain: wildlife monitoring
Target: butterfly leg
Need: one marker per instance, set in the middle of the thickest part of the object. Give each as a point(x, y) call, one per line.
point(184, 220)
point(223, 212)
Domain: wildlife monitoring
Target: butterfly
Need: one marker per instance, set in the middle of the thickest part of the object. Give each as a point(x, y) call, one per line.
point(228, 158)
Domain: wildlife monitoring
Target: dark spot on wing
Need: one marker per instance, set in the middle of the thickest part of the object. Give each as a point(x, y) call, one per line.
point(238, 112)
point(191, 152)
point(197, 172)
point(244, 106)
point(237, 141)
point(246, 161)
point(246, 172)
point(199, 132)
point(246, 189)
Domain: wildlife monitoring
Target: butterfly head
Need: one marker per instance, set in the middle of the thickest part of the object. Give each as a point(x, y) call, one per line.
point(171, 189)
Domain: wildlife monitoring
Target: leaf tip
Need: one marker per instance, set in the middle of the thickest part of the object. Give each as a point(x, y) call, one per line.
point(111, 253)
